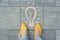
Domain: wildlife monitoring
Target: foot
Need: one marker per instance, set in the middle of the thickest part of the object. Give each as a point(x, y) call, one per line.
point(38, 31)
point(23, 30)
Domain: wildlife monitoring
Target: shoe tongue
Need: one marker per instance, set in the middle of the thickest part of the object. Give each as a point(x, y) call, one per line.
point(37, 33)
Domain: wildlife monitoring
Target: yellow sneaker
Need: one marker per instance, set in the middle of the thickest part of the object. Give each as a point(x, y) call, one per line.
point(38, 30)
point(23, 30)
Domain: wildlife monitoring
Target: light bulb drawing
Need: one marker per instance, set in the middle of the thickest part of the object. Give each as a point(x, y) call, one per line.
point(32, 17)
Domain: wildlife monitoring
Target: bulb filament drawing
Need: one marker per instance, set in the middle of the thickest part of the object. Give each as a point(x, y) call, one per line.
point(30, 19)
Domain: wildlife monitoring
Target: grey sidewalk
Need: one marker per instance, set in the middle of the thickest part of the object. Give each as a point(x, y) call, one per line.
point(12, 16)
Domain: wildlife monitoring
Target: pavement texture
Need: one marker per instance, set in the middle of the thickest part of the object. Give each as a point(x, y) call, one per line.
point(12, 15)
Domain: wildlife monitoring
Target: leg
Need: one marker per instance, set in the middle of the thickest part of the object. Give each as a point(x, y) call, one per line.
point(38, 38)
point(24, 38)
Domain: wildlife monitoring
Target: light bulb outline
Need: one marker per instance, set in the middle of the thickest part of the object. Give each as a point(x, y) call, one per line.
point(34, 14)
